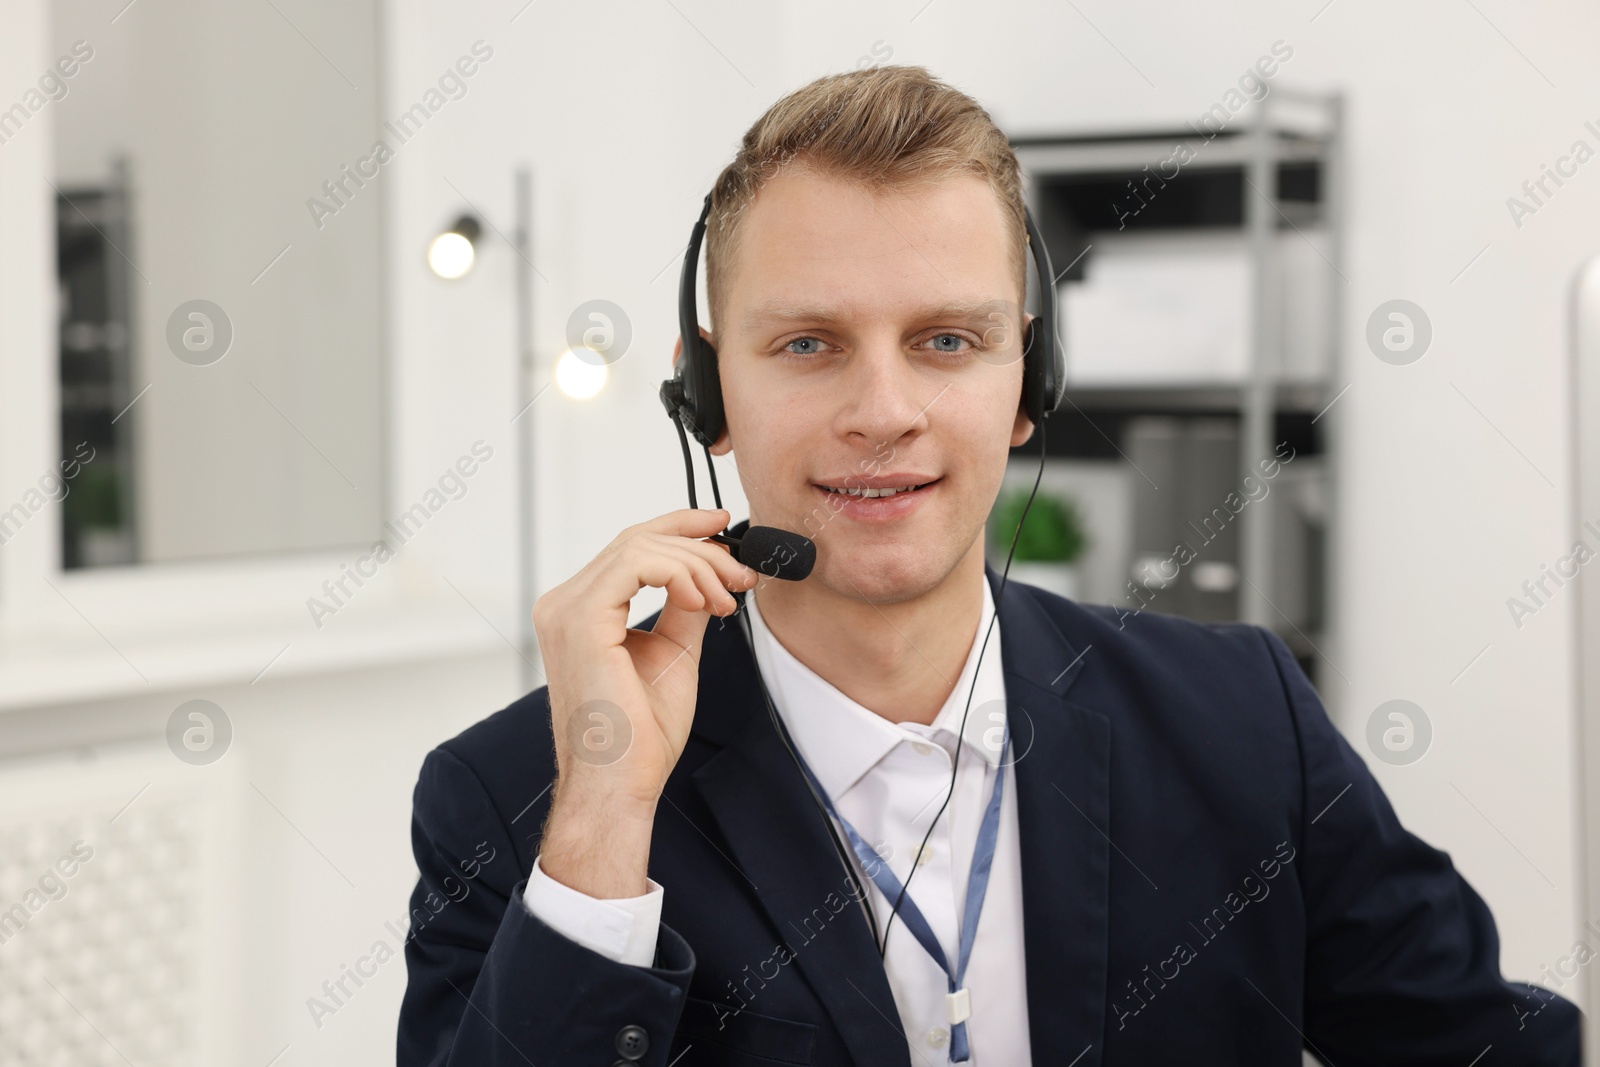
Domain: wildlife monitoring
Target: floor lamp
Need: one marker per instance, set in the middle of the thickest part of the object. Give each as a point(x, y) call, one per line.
point(451, 255)
point(527, 643)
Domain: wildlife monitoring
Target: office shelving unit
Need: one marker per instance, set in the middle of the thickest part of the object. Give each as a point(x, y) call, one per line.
point(1263, 187)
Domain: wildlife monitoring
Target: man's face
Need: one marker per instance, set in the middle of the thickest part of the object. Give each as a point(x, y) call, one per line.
point(873, 339)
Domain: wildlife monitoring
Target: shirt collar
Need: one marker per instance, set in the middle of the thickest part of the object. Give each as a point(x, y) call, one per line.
point(841, 740)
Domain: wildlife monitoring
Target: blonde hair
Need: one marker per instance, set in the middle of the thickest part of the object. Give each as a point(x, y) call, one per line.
point(884, 127)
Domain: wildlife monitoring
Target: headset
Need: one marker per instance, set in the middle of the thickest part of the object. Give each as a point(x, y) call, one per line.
point(693, 400)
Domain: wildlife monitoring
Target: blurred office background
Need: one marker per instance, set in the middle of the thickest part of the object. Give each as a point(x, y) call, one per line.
point(232, 360)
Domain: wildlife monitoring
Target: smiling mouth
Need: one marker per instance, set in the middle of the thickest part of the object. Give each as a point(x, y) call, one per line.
point(874, 493)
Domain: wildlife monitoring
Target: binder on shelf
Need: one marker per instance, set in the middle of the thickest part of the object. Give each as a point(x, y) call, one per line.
point(1185, 536)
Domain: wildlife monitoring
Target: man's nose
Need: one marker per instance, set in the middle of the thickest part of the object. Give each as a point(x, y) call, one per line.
point(887, 396)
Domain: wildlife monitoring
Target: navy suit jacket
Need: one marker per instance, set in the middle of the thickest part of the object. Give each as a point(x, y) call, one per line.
point(1210, 875)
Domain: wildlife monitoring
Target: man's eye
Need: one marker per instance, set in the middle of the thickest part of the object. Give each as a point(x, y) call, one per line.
point(944, 343)
point(941, 343)
point(812, 341)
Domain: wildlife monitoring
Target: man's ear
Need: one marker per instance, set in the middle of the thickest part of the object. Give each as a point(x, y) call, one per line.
point(1022, 428)
point(723, 444)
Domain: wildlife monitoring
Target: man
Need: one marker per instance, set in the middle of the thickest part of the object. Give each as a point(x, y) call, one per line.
point(1185, 861)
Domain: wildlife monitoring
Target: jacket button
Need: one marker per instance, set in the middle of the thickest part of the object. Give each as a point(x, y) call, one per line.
point(632, 1042)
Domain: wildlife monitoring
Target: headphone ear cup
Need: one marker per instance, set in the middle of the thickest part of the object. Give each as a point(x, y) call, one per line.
point(1033, 383)
point(704, 391)
point(1044, 376)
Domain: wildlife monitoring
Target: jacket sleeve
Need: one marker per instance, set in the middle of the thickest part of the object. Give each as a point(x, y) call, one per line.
point(1402, 955)
point(488, 983)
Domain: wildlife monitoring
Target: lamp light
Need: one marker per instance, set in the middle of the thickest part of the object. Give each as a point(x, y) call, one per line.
point(452, 253)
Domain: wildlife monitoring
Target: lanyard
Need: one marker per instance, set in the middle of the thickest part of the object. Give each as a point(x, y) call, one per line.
point(957, 1001)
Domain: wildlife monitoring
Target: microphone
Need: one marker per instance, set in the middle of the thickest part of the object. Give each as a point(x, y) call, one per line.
point(774, 552)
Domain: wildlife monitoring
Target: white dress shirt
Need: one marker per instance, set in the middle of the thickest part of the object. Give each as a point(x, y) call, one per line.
point(889, 780)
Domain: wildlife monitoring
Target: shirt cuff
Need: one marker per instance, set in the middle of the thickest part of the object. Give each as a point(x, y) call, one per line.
point(620, 928)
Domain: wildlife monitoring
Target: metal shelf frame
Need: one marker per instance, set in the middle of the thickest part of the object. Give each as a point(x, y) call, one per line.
point(1286, 127)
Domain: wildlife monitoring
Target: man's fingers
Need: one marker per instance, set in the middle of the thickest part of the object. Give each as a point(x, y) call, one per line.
point(682, 589)
point(731, 574)
point(687, 630)
point(685, 522)
point(712, 585)
point(691, 582)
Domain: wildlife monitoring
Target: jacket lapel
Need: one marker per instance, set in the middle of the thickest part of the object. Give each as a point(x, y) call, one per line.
point(1062, 768)
point(778, 839)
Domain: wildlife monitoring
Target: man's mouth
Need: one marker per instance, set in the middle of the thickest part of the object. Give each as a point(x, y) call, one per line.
point(874, 493)
point(881, 498)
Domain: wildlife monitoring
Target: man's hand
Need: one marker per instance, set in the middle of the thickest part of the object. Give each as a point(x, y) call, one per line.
point(621, 700)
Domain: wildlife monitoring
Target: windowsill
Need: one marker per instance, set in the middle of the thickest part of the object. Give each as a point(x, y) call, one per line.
point(116, 645)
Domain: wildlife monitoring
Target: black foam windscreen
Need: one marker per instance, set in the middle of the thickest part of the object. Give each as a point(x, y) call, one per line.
point(776, 553)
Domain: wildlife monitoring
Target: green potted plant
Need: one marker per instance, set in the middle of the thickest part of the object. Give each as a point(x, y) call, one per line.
point(1050, 545)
